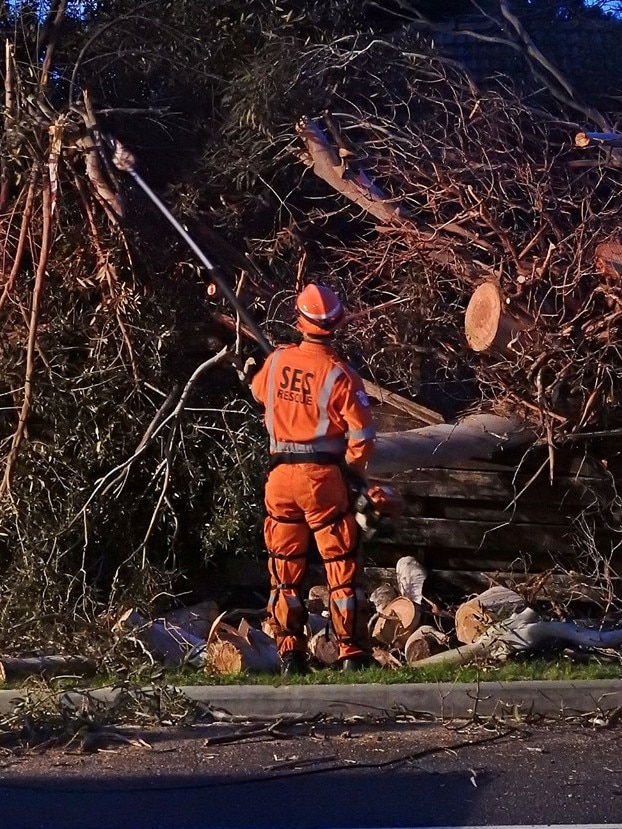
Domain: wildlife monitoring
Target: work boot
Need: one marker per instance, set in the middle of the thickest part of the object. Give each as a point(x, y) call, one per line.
point(294, 663)
point(358, 662)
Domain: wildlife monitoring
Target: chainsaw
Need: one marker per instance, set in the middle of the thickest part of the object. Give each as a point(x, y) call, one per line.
point(376, 507)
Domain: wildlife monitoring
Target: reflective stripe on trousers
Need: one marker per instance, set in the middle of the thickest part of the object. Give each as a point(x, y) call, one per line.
point(301, 499)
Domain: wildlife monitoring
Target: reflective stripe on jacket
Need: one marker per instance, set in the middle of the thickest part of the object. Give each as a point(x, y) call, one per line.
point(314, 403)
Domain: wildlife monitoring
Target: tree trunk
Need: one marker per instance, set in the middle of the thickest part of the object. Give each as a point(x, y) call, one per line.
point(477, 436)
point(474, 617)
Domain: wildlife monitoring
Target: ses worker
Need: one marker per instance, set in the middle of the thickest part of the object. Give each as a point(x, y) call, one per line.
point(321, 432)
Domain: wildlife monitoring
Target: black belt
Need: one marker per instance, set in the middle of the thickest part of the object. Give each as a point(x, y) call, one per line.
point(323, 458)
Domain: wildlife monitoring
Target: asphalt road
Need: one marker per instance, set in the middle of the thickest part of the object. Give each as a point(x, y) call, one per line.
point(322, 775)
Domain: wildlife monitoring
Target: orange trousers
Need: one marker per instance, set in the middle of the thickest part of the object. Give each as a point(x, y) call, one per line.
point(302, 499)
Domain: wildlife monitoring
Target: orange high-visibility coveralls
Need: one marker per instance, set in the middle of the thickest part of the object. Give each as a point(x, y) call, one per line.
point(317, 415)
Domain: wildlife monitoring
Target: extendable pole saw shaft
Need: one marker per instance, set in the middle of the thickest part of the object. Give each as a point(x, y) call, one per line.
point(125, 161)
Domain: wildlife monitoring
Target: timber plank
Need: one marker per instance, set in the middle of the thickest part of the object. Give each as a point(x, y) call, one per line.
point(508, 538)
point(552, 515)
point(501, 487)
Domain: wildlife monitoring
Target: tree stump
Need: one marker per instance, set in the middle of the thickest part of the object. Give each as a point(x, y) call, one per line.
point(474, 617)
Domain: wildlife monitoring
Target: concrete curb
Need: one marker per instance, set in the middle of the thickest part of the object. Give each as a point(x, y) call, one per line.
point(442, 700)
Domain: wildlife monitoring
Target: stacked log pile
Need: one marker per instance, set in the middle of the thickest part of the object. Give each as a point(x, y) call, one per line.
point(409, 626)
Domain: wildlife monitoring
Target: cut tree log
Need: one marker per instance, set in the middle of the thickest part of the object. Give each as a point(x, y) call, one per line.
point(491, 324)
point(232, 650)
point(411, 576)
point(324, 647)
point(477, 436)
point(424, 642)
point(170, 643)
point(474, 617)
point(15, 667)
point(318, 598)
point(394, 625)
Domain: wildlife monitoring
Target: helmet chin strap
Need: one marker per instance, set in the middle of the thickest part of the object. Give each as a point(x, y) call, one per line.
point(317, 338)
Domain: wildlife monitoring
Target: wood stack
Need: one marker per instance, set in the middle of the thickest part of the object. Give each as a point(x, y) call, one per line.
point(494, 624)
point(408, 627)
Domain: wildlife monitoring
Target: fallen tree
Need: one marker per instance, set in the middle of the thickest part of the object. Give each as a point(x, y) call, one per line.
point(418, 185)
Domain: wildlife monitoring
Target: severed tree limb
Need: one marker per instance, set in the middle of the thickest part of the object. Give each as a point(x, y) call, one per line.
point(221, 715)
point(112, 475)
point(51, 30)
point(15, 667)
point(172, 644)
point(355, 186)
point(5, 182)
point(249, 731)
point(23, 233)
point(526, 631)
point(174, 419)
point(46, 241)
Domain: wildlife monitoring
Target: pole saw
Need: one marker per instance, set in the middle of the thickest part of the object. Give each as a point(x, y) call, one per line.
point(125, 161)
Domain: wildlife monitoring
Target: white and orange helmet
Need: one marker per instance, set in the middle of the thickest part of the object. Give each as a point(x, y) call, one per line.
point(319, 310)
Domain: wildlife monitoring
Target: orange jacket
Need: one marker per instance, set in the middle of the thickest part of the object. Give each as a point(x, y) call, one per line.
point(314, 403)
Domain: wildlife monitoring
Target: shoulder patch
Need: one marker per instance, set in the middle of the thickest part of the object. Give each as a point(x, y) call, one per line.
point(363, 398)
